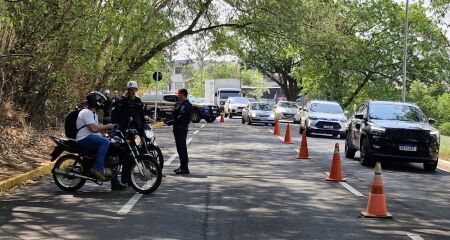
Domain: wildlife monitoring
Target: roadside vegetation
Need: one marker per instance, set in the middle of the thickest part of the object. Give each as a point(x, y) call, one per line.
point(445, 148)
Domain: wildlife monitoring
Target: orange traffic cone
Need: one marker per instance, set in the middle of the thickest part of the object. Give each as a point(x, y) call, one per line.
point(222, 120)
point(287, 135)
point(376, 206)
point(303, 153)
point(276, 130)
point(336, 168)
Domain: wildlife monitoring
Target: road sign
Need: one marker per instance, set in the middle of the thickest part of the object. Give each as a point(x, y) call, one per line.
point(157, 76)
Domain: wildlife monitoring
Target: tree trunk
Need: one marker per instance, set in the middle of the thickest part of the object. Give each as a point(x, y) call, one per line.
point(358, 89)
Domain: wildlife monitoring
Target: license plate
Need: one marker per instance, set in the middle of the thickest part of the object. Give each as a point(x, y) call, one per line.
point(408, 148)
point(264, 116)
point(327, 127)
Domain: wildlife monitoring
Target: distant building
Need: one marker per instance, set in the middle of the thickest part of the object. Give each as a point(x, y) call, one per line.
point(179, 74)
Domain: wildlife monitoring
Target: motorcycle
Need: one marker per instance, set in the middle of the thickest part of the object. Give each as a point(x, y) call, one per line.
point(148, 146)
point(71, 171)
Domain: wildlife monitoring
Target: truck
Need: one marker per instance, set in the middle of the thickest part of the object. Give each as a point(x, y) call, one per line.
point(166, 101)
point(217, 91)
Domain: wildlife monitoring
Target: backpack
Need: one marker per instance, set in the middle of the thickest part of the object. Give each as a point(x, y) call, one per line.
point(70, 124)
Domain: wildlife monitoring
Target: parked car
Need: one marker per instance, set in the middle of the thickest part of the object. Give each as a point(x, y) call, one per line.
point(258, 113)
point(286, 110)
point(323, 117)
point(166, 101)
point(271, 102)
point(392, 130)
point(234, 106)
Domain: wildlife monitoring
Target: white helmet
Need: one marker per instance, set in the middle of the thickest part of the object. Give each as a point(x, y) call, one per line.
point(107, 91)
point(132, 84)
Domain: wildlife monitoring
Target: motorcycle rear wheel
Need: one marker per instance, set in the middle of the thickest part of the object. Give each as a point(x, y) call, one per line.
point(150, 180)
point(69, 164)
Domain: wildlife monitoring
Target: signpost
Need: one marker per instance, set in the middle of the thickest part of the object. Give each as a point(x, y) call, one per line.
point(157, 76)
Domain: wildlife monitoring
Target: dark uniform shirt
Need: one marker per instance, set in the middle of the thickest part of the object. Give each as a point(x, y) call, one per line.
point(181, 115)
point(126, 108)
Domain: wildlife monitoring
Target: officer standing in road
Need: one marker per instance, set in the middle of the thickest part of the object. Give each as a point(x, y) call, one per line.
point(129, 107)
point(181, 119)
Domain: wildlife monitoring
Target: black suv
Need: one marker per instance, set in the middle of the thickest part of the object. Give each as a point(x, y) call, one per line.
point(392, 130)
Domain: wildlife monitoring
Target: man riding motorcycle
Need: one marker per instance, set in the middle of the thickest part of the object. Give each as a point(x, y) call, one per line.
point(89, 137)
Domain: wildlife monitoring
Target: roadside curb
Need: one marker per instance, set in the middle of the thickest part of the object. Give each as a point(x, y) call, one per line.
point(44, 169)
point(17, 180)
point(444, 165)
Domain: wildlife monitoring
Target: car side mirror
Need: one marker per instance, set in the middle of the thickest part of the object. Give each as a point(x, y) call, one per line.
point(359, 116)
point(431, 121)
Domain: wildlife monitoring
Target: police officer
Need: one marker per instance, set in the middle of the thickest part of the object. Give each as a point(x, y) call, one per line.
point(129, 105)
point(181, 119)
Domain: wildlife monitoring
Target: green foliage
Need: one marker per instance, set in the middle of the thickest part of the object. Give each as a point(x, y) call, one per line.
point(445, 128)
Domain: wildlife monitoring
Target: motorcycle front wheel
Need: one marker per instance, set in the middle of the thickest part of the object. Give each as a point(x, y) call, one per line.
point(159, 157)
point(65, 165)
point(149, 180)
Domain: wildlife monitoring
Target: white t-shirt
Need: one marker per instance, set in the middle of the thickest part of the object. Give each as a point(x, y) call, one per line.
point(85, 117)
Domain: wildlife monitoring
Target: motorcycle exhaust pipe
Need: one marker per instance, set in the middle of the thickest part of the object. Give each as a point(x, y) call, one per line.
point(75, 175)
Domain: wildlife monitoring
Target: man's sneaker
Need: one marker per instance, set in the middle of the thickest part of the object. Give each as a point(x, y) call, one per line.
point(118, 186)
point(182, 172)
point(97, 174)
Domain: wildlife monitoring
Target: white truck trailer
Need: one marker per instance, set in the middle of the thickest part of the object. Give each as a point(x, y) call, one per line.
point(217, 91)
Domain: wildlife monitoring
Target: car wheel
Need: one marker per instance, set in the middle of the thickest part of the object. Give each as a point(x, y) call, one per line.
point(273, 124)
point(365, 158)
point(335, 135)
point(430, 166)
point(210, 120)
point(195, 117)
point(249, 122)
point(343, 136)
point(243, 120)
point(230, 116)
point(301, 129)
point(349, 150)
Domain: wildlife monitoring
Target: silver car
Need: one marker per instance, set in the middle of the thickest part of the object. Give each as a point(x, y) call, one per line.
point(258, 113)
point(323, 117)
point(286, 110)
point(234, 105)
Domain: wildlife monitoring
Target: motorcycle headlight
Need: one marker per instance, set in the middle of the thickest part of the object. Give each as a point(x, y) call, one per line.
point(253, 114)
point(149, 134)
point(377, 131)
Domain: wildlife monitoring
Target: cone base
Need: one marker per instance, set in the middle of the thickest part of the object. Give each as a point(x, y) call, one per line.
point(303, 157)
point(336, 180)
point(368, 215)
point(288, 142)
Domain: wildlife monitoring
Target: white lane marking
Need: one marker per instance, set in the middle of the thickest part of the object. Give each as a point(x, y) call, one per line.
point(189, 141)
point(270, 130)
point(349, 188)
point(196, 131)
point(281, 138)
point(130, 204)
point(203, 125)
point(297, 150)
point(414, 236)
point(168, 162)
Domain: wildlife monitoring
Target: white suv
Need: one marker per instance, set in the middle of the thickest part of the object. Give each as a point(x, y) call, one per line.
point(234, 106)
point(323, 117)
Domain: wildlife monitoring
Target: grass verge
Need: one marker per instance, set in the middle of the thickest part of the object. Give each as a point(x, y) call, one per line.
point(444, 151)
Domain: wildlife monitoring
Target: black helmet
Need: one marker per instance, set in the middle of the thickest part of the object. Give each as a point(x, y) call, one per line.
point(96, 99)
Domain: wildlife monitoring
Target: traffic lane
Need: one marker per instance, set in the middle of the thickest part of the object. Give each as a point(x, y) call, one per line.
point(247, 185)
point(42, 211)
point(402, 180)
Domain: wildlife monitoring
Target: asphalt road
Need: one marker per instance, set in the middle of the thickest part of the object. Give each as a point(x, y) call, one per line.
point(245, 184)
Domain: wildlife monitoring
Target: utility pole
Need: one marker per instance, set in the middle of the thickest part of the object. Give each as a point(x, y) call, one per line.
point(405, 53)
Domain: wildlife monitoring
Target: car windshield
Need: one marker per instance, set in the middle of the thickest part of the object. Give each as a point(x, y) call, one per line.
point(396, 112)
point(288, 105)
point(326, 108)
point(238, 100)
point(228, 94)
point(261, 107)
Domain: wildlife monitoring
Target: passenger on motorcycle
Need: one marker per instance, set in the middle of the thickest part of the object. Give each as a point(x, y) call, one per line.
point(89, 137)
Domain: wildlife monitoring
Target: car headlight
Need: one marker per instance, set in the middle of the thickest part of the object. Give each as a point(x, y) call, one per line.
point(435, 133)
point(253, 114)
point(343, 120)
point(377, 131)
point(149, 134)
point(272, 115)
